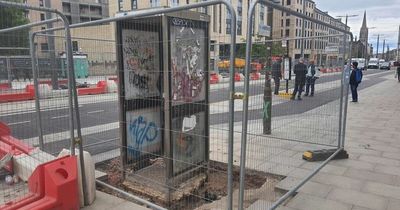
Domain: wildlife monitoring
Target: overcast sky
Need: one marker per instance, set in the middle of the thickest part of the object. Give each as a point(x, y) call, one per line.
point(382, 14)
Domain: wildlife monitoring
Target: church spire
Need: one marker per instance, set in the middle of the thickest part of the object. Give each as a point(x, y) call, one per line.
point(364, 24)
point(364, 30)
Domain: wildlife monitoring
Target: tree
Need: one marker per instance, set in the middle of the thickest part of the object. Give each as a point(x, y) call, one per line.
point(10, 17)
point(260, 51)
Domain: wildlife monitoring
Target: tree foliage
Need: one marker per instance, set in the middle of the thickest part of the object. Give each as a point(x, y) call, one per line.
point(11, 17)
point(260, 51)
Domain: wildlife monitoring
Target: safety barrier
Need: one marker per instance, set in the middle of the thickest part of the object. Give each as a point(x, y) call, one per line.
point(51, 186)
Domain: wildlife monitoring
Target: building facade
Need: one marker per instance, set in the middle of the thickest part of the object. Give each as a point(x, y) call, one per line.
point(324, 51)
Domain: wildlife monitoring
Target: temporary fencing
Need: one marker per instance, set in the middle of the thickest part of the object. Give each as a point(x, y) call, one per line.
point(168, 135)
point(33, 116)
point(278, 130)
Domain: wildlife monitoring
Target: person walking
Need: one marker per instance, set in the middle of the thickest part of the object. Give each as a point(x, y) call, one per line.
point(300, 70)
point(277, 75)
point(311, 76)
point(398, 73)
point(355, 79)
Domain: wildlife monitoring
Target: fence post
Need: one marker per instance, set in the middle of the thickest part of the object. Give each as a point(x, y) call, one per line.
point(36, 89)
point(246, 102)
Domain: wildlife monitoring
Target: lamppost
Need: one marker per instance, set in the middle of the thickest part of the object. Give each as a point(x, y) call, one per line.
point(347, 16)
point(367, 46)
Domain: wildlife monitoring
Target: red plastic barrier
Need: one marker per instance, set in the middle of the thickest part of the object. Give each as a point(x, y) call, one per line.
point(255, 76)
point(237, 77)
point(4, 86)
point(9, 144)
point(100, 88)
point(214, 79)
point(53, 185)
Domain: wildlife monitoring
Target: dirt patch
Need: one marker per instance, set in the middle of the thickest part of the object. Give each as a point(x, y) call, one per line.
point(201, 192)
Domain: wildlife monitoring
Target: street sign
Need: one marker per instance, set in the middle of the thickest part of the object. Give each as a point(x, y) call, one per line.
point(284, 43)
point(286, 68)
point(264, 30)
point(332, 49)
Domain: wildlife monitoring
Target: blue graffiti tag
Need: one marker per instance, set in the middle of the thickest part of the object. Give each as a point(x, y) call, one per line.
point(142, 132)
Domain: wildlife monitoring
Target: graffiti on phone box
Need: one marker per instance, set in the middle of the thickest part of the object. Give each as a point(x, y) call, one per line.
point(187, 69)
point(143, 133)
point(141, 62)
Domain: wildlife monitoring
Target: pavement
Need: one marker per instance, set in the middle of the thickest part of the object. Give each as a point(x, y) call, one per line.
point(370, 178)
point(106, 201)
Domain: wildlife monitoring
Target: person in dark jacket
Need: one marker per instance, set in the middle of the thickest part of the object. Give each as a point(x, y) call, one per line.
point(277, 75)
point(353, 82)
point(398, 73)
point(300, 70)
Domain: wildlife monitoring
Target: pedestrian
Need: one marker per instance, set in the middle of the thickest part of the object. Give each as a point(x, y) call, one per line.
point(311, 76)
point(355, 79)
point(398, 73)
point(277, 75)
point(300, 70)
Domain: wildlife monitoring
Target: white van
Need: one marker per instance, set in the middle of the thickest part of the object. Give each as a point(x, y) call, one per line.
point(373, 63)
point(360, 61)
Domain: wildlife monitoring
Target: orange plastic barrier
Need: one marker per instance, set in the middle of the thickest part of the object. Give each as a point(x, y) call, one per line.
point(214, 79)
point(100, 88)
point(9, 144)
point(29, 94)
point(53, 185)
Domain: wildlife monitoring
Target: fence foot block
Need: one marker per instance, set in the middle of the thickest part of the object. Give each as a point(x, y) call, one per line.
point(321, 155)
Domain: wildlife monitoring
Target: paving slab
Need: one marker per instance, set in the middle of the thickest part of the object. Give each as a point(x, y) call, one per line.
point(106, 201)
point(358, 198)
point(307, 202)
point(383, 190)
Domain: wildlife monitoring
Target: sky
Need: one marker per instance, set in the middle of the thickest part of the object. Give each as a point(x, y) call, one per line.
point(382, 14)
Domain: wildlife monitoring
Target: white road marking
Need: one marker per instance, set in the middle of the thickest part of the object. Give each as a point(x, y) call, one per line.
point(97, 111)
point(58, 117)
point(17, 123)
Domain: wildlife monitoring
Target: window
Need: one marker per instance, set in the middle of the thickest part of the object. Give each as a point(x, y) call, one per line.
point(287, 22)
point(42, 16)
point(212, 45)
point(134, 5)
point(155, 3)
point(281, 32)
point(174, 3)
point(281, 22)
point(44, 47)
point(288, 2)
point(239, 27)
point(297, 22)
point(75, 47)
point(41, 3)
point(228, 26)
point(287, 32)
point(43, 28)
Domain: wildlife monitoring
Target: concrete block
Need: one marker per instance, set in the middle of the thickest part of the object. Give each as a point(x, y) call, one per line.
point(366, 200)
point(382, 189)
point(308, 202)
point(24, 165)
point(112, 86)
point(260, 205)
point(370, 176)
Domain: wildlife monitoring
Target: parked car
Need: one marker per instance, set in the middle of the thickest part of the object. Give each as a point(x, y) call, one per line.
point(385, 65)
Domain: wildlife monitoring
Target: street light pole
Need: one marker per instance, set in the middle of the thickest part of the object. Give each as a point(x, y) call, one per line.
point(383, 49)
point(303, 31)
point(377, 47)
point(347, 17)
point(398, 45)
